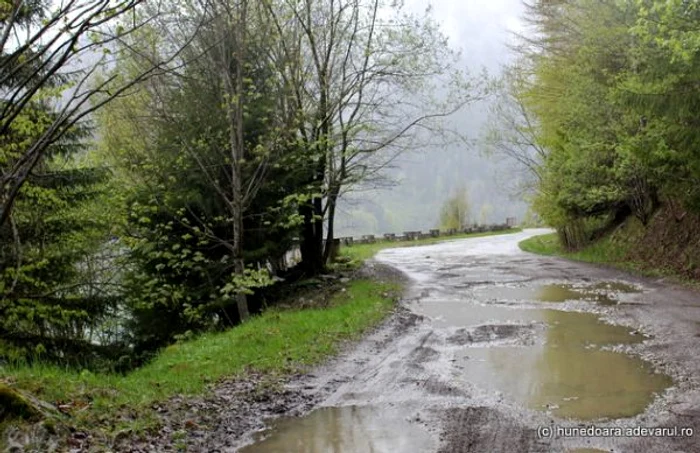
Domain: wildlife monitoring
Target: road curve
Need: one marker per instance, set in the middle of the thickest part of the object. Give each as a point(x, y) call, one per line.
point(501, 350)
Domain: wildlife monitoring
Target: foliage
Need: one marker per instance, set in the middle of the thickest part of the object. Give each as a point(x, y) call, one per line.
point(53, 295)
point(276, 342)
point(53, 48)
point(53, 266)
point(511, 132)
point(485, 213)
point(456, 211)
point(227, 131)
point(380, 76)
point(59, 289)
point(609, 85)
point(186, 273)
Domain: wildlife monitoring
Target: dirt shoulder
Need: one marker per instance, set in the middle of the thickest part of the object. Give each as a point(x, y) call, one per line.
point(666, 247)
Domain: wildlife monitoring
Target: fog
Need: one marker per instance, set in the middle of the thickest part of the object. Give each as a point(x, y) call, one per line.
point(420, 181)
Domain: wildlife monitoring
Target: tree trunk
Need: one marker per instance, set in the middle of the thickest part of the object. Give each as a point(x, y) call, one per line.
point(318, 230)
point(237, 92)
point(312, 233)
point(311, 242)
point(330, 230)
point(237, 220)
point(241, 299)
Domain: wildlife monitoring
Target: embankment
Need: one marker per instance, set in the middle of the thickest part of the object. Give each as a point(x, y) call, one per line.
point(154, 404)
point(668, 245)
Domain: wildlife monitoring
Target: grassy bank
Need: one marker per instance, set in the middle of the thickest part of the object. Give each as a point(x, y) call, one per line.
point(276, 342)
point(361, 252)
point(615, 250)
point(604, 251)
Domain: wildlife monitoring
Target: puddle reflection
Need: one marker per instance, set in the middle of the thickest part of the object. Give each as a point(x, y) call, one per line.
point(604, 293)
point(346, 429)
point(569, 374)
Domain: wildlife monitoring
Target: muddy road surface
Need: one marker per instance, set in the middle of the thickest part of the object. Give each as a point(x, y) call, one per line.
point(498, 350)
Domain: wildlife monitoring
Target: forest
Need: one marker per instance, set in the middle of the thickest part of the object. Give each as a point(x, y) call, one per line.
point(159, 159)
point(601, 109)
point(175, 176)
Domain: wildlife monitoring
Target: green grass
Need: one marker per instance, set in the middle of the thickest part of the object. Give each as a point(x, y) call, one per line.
point(362, 252)
point(603, 251)
point(610, 251)
point(279, 342)
point(276, 342)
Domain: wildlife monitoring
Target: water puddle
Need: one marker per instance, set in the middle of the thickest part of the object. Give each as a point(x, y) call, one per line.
point(587, 450)
point(546, 359)
point(565, 370)
point(568, 373)
point(455, 313)
point(345, 429)
point(555, 360)
point(603, 293)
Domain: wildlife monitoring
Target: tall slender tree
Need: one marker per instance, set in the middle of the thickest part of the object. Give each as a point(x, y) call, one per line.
point(362, 77)
point(42, 42)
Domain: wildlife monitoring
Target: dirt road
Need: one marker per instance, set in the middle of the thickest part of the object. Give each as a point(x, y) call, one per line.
point(501, 350)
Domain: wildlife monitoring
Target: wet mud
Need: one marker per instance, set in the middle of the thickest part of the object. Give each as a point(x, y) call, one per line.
point(604, 293)
point(490, 333)
point(481, 429)
point(492, 343)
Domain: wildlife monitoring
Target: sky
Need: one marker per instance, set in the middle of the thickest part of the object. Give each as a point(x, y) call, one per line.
point(480, 28)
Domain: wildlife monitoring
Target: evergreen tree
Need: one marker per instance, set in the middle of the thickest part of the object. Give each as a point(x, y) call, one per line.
point(51, 301)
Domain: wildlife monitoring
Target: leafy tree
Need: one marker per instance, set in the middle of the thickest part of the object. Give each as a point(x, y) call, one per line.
point(511, 131)
point(195, 217)
point(363, 78)
point(485, 213)
point(55, 289)
point(455, 212)
point(49, 53)
point(574, 83)
point(660, 89)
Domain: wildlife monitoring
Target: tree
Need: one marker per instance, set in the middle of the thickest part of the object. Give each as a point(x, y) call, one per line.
point(212, 202)
point(455, 212)
point(660, 91)
point(55, 292)
point(485, 213)
point(362, 84)
point(54, 289)
point(609, 88)
point(511, 133)
point(41, 45)
point(588, 177)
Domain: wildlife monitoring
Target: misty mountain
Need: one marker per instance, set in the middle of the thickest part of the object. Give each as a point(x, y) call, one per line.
point(418, 182)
